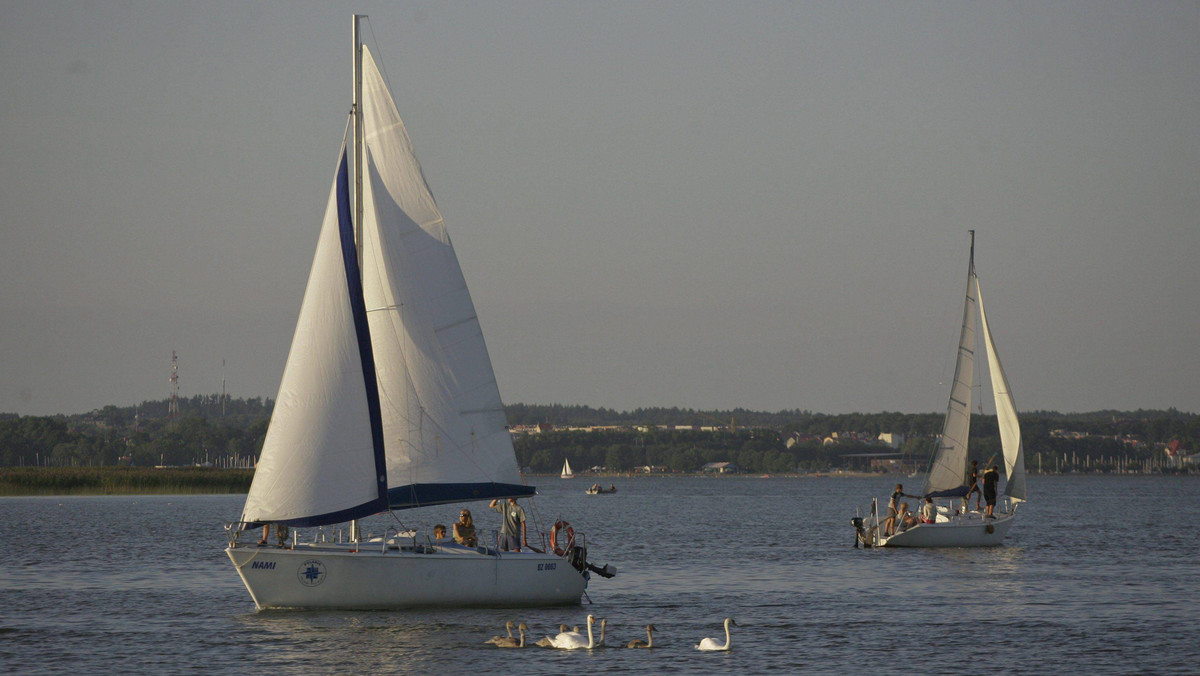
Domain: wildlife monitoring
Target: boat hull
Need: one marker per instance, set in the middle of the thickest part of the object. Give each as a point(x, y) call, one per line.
point(969, 532)
point(338, 577)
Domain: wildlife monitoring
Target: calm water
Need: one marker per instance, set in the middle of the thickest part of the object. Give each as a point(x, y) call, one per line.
point(1098, 574)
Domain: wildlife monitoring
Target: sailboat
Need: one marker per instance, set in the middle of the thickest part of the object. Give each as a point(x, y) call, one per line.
point(388, 401)
point(566, 470)
point(948, 478)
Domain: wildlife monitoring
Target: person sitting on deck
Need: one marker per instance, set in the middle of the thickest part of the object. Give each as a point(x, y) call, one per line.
point(439, 533)
point(905, 517)
point(928, 511)
point(464, 530)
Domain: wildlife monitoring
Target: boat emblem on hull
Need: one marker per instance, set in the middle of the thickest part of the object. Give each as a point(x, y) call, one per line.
point(311, 573)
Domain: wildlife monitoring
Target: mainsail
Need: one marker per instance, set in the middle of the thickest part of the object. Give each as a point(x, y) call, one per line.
point(566, 470)
point(949, 467)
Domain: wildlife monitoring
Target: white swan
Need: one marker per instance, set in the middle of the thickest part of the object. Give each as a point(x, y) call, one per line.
point(573, 641)
point(648, 643)
point(600, 641)
point(507, 625)
point(548, 642)
point(512, 642)
point(711, 643)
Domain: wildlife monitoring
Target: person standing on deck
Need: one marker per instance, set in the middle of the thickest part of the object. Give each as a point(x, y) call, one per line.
point(514, 522)
point(990, 477)
point(973, 486)
point(894, 509)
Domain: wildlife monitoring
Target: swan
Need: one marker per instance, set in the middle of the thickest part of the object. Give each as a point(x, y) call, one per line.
point(572, 641)
point(548, 642)
point(711, 643)
point(511, 642)
point(508, 625)
point(648, 643)
point(600, 641)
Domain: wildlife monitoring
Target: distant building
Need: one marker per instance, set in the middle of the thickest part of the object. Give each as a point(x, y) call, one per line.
point(892, 439)
point(721, 468)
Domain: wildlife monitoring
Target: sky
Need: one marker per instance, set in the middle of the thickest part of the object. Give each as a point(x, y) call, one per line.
point(695, 204)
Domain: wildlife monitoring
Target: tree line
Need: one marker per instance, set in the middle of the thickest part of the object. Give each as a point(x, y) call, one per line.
point(227, 432)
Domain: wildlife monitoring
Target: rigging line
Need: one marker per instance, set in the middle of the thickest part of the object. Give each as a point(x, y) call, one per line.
point(398, 520)
point(380, 61)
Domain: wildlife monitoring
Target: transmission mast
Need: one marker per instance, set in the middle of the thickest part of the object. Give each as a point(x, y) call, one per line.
point(173, 407)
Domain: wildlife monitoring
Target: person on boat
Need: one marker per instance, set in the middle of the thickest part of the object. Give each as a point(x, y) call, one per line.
point(928, 511)
point(905, 517)
point(464, 530)
point(973, 486)
point(894, 508)
point(514, 522)
point(990, 477)
point(281, 532)
point(612, 488)
point(439, 532)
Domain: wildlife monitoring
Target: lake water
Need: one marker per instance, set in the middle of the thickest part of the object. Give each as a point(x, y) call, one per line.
point(1098, 575)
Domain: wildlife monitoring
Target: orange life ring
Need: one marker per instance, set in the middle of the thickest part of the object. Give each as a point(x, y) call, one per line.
point(562, 526)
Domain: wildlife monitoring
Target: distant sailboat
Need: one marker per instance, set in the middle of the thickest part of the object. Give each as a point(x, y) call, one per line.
point(388, 401)
point(566, 471)
point(948, 473)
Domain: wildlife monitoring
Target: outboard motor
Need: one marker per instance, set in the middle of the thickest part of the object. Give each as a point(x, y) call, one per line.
point(578, 559)
point(860, 533)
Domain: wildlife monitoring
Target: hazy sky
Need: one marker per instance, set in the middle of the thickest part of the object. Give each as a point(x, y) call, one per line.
point(694, 204)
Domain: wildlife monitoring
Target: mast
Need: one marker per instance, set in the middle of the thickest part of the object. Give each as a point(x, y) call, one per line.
point(972, 253)
point(358, 138)
point(357, 134)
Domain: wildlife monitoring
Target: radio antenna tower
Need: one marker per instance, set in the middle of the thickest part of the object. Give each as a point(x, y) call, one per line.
point(173, 407)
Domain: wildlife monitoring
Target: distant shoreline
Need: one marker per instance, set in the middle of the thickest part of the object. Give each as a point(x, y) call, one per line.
point(45, 481)
point(84, 481)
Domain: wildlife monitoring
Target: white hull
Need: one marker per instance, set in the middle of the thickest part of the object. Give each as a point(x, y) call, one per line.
point(334, 576)
point(964, 531)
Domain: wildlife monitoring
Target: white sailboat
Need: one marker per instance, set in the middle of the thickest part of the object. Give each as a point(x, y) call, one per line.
point(388, 401)
point(955, 525)
point(566, 470)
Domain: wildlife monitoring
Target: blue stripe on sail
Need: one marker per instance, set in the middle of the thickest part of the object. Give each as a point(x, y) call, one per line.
point(358, 308)
point(423, 495)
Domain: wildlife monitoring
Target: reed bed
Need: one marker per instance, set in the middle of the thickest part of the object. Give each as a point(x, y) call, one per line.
point(122, 480)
